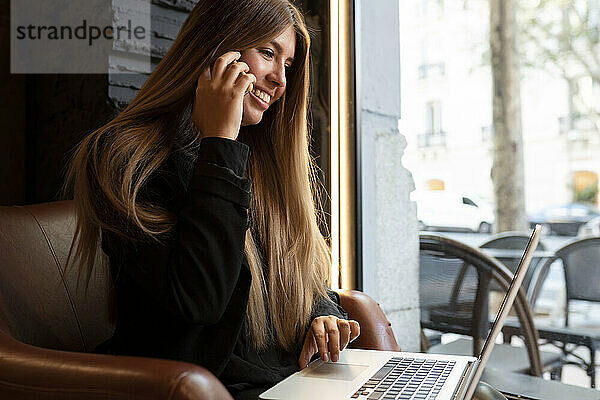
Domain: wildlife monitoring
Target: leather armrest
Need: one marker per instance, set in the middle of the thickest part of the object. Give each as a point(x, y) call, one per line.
point(375, 329)
point(28, 372)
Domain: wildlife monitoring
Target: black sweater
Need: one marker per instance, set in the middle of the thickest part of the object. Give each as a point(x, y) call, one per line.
point(185, 299)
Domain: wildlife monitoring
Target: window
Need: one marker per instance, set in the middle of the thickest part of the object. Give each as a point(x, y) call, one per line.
point(433, 118)
point(433, 134)
point(431, 58)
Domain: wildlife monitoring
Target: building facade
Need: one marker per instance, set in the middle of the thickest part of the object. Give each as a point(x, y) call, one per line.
point(447, 111)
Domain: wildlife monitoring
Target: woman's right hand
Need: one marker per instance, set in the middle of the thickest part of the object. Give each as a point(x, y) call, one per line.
point(328, 335)
point(218, 106)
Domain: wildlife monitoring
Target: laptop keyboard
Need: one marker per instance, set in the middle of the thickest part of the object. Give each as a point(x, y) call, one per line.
point(406, 378)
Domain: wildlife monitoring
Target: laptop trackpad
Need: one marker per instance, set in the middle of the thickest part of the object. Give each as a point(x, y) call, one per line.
point(338, 371)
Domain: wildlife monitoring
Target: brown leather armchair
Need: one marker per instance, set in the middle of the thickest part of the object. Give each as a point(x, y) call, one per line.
point(49, 324)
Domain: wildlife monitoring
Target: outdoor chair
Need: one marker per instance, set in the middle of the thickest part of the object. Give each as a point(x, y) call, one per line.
point(49, 325)
point(454, 287)
point(515, 240)
point(580, 261)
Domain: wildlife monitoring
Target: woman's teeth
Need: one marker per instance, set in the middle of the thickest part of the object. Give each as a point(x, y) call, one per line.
point(262, 95)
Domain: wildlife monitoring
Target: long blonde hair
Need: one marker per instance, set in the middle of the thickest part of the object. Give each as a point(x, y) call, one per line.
point(111, 166)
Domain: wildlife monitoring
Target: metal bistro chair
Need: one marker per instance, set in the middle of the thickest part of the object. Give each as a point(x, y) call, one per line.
point(516, 240)
point(454, 284)
point(581, 265)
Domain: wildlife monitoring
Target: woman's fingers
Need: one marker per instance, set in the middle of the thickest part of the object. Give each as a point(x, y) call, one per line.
point(238, 76)
point(235, 74)
point(315, 341)
point(354, 329)
point(320, 334)
point(333, 334)
point(222, 64)
point(328, 335)
point(309, 348)
point(344, 328)
point(234, 71)
point(245, 82)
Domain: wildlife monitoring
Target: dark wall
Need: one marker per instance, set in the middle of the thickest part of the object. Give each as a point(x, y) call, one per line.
point(60, 110)
point(12, 120)
point(43, 117)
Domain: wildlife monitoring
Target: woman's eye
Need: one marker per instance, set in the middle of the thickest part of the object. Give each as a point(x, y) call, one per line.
point(268, 52)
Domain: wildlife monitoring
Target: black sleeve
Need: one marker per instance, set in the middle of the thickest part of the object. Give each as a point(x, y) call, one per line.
point(194, 274)
point(324, 307)
point(329, 306)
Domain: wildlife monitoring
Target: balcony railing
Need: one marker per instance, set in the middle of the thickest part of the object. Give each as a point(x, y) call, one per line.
point(432, 139)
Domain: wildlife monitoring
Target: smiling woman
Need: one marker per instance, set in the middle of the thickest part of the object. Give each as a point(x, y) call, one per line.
point(201, 194)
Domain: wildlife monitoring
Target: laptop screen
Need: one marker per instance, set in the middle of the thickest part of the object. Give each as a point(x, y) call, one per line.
point(505, 307)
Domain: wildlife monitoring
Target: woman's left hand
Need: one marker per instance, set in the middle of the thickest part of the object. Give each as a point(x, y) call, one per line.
point(328, 334)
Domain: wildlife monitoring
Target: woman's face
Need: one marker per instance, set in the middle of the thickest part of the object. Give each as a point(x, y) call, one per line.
point(269, 64)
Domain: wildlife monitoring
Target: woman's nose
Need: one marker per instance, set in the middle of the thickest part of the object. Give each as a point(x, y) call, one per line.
point(277, 75)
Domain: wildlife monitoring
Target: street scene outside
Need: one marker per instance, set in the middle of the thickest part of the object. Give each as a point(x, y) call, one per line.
point(501, 112)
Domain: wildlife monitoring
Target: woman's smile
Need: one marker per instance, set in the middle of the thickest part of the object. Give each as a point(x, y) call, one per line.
point(262, 95)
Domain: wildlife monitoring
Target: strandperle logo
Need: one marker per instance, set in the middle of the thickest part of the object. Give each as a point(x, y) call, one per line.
point(80, 36)
point(81, 32)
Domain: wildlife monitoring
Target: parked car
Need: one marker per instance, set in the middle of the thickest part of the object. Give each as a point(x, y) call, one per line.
point(590, 228)
point(441, 210)
point(565, 219)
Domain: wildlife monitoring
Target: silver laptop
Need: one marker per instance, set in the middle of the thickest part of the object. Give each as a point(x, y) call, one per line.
point(375, 375)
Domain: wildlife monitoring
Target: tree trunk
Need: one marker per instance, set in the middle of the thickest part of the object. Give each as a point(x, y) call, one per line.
point(507, 170)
